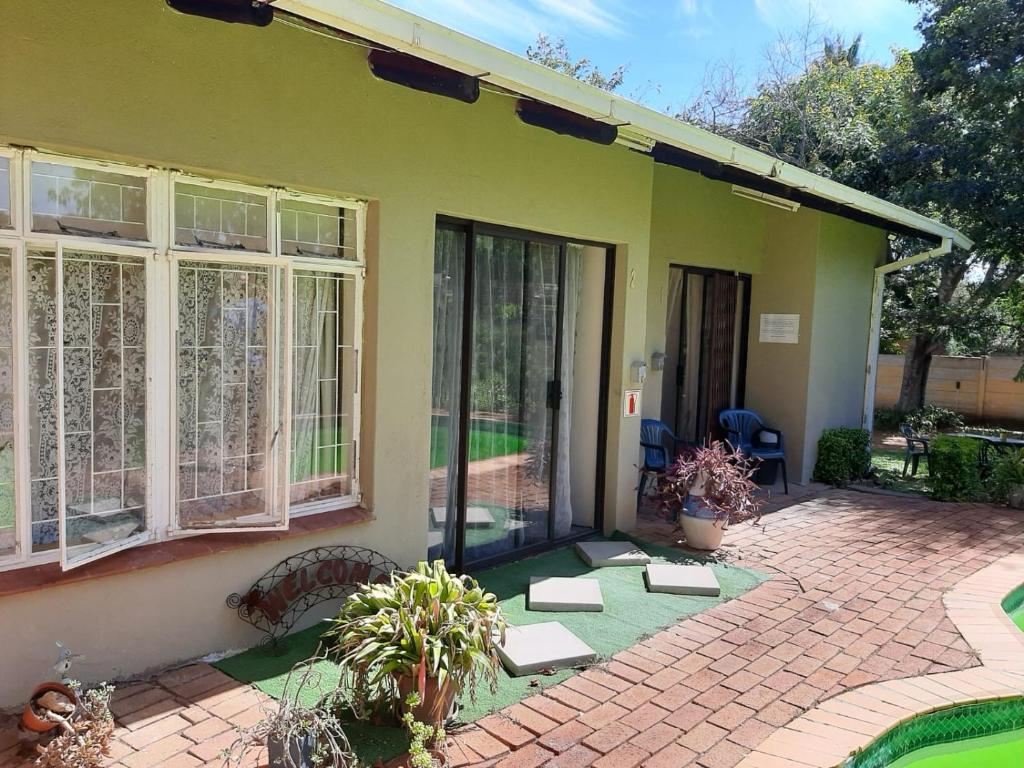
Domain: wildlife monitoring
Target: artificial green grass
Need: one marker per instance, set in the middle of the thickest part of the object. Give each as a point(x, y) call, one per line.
point(631, 613)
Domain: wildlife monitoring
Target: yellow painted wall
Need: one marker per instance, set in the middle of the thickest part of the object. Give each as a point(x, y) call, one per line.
point(133, 80)
point(847, 256)
point(808, 263)
point(700, 223)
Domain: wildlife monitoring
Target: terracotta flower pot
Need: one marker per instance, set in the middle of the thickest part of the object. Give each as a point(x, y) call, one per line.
point(435, 704)
point(34, 722)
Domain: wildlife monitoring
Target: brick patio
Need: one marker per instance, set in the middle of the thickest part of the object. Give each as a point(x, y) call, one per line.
point(856, 599)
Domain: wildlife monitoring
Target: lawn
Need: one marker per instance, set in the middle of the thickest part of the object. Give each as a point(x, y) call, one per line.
point(484, 443)
point(891, 462)
point(631, 613)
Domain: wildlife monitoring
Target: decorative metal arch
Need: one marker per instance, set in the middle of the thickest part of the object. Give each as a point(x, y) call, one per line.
point(282, 595)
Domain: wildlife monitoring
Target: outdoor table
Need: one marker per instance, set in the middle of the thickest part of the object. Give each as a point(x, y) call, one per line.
point(1001, 444)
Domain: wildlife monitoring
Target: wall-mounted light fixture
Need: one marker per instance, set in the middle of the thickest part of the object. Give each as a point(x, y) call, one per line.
point(422, 75)
point(764, 197)
point(258, 13)
point(658, 361)
point(564, 122)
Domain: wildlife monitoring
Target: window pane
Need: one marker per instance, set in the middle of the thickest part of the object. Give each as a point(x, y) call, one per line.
point(41, 316)
point(205, 217)
point(104, 305)
point(313, 229)
point(323, 386)
point(5, 194)
point(8, 520)
point(224, 395)
point(82, 201)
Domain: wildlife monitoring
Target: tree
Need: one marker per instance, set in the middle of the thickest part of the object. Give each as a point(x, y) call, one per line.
point(971, 63)
point(555, 55)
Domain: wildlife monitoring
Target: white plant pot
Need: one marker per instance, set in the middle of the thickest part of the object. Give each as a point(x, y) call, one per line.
point(702, 533)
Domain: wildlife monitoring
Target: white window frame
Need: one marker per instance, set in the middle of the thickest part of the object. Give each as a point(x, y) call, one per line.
point(14, 166)
point(228, 186)
point(162, 257)
point(277, 468)
point(151, 175)
point(357, 269)
point(68, 561)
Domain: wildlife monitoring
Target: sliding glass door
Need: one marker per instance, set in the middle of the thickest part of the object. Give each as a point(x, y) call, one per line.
point(506, 315)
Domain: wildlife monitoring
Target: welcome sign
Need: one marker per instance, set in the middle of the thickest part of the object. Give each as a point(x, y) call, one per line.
point(281, 596)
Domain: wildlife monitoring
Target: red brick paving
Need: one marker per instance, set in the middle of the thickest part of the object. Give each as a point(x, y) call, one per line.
point(855, 598)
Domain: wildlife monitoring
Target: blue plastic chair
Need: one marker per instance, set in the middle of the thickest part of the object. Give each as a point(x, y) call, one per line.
point(659, 445)
point(745, 432)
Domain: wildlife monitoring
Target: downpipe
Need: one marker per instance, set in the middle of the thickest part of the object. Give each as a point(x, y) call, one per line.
point(878, 288)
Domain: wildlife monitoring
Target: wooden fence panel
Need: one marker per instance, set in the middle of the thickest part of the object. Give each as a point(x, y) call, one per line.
point(977, 387)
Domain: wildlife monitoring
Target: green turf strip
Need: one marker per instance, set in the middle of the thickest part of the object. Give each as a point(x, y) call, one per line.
point(631, 613)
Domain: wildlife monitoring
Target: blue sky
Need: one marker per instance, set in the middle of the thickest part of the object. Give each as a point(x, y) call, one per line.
point(669, 43)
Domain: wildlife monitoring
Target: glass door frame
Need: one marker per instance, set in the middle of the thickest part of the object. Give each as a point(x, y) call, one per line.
point(471, 229)
point(741, 363)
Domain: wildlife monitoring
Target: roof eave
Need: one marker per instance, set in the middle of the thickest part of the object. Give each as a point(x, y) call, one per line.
point(406, 32)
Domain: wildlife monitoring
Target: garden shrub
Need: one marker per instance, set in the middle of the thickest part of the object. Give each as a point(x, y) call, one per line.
point(933, 418)
point(1007, 472)
point(955, 469)
point(843, 455)
point(926, 419)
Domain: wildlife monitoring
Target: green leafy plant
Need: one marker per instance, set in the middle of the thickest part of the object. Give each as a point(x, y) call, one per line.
point(955, 469)
point(843, 455)
point(720, 476)
point(421, 736)
point(933, 418)
point(1007, 473)
point(426, 629)
point(297, 734)
point(84, 737)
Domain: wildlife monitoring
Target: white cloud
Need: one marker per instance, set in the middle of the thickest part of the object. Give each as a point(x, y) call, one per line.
point(513, 22)
point(851, 16)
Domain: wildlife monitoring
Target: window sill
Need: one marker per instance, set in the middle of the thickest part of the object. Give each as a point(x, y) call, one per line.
point(33, 578)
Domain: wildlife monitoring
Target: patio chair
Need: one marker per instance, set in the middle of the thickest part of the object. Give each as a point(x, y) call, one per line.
point(655, 439)
point(917, 447)
point(746, 432)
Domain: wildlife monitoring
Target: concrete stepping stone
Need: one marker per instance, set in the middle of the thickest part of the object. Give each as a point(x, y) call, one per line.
point(682, 579)
point(556, 593)
point(602, 554)
point(476, 517)
point(533, 647)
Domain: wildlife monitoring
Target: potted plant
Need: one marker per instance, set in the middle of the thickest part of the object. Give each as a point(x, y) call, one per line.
point(83, 738)
point(302, 731)
point(708, 489)
point(425, 631)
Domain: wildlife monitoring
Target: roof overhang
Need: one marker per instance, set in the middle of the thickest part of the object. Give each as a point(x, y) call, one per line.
point(716, 157)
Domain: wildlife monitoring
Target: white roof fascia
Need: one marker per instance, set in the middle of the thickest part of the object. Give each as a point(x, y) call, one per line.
point(403, 31)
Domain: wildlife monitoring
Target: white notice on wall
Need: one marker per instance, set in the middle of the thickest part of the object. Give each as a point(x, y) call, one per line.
point(780, 329)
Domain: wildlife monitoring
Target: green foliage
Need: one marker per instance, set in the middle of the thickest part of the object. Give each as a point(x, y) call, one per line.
point(1007, 472)
point(426, 623)
point(933, 418)
point(843, 455)
point(421, 736)
point(926, 419)
point(955, 469)
point(554, 54)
